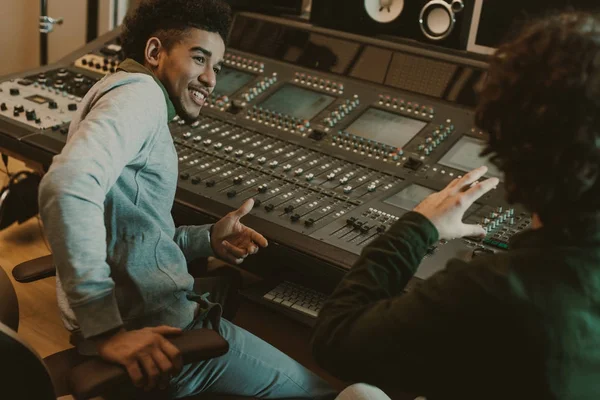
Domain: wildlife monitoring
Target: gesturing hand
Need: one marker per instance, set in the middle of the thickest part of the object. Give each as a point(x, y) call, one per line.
point(147, 348)
point(233, 241)
point(446, 208)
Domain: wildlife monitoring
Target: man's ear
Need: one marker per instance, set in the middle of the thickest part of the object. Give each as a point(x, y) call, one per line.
point(152, 52)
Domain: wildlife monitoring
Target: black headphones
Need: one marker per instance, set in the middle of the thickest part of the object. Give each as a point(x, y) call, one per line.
point(19, 198)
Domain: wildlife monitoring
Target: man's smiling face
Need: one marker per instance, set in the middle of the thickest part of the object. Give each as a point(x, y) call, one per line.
point(189, 68)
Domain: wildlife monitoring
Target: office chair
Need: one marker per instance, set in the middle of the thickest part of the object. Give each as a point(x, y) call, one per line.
point(33, 270)
point(23, 373)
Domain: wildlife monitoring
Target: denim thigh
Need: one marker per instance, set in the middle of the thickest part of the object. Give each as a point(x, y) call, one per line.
point(252, 367)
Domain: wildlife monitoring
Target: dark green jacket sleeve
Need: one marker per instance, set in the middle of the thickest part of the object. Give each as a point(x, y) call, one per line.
point(370, 331)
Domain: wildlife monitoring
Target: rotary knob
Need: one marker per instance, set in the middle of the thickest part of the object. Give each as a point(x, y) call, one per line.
point(30, 115)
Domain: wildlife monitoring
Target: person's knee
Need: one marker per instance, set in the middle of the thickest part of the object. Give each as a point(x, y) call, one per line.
point(362, 391)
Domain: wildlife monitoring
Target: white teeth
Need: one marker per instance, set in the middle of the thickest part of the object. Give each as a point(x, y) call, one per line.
point(198, 94)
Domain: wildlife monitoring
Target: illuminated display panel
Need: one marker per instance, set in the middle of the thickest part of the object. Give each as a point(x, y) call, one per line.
point(231, 80)
point(297, 102)
point(409, 197)
point(386, 127)
point(464, 156)
point(36, 98)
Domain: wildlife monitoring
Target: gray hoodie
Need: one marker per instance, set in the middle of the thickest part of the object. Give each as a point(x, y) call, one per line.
point(106, 207)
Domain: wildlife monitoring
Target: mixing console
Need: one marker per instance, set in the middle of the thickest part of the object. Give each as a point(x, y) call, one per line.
point(44, 100)
point(332, 161)
point(103, 60)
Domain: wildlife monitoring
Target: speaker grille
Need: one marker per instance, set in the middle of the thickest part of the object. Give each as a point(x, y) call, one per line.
point(421, 75)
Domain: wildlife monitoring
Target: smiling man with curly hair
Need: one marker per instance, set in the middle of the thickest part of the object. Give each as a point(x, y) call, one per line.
point(122, 278)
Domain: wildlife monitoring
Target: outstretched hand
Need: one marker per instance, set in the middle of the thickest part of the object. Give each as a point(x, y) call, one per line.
point(446, 208)
point(233, 241)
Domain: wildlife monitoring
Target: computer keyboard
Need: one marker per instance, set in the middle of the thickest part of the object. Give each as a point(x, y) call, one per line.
point(296, 297)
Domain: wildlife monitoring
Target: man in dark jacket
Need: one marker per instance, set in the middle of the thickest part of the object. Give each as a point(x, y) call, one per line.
point(519, 324)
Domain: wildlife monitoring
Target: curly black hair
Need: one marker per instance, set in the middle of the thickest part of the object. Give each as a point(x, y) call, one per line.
point(540, 104)
point(169, 20)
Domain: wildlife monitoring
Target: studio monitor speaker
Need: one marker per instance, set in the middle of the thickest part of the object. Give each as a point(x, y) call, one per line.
point(441, 22)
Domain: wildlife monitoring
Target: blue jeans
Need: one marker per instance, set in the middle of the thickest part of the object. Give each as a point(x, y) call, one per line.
point(252, 367)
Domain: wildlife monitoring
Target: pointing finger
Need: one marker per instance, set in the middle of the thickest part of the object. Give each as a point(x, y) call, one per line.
point(258, 239)
point(478, 190)
point(470, 178)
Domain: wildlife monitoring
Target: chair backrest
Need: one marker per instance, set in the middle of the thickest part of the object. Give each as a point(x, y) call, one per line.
point(9, 306)
point(23, 374)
